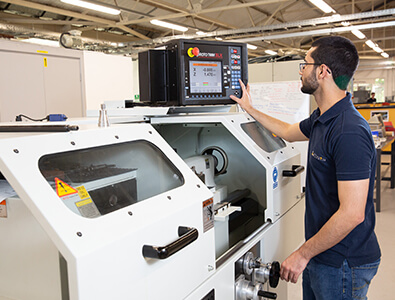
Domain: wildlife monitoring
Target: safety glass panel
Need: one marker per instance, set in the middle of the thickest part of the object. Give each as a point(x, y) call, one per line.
point(97, 181)
point(266, 140)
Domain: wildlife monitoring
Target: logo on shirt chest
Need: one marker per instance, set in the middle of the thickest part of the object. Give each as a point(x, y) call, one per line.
point(317, 157)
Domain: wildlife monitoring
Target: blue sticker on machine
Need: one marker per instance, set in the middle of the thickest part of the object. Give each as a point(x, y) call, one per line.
point(275, 178)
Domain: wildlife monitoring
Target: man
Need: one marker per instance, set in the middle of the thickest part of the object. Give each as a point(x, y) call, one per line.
point(372, 99)
point(341, 254)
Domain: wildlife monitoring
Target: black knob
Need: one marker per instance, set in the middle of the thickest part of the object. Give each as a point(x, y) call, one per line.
point(274, 275)
point(268, 295)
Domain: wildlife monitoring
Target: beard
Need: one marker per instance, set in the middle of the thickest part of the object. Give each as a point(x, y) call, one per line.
point(310, 84)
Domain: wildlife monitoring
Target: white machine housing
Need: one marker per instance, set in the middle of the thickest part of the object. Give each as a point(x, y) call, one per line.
point(101, 257)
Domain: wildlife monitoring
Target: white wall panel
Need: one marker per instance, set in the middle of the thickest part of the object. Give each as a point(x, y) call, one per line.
point(107, 78)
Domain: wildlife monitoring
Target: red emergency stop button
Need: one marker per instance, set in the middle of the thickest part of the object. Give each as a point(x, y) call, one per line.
point(195, 51)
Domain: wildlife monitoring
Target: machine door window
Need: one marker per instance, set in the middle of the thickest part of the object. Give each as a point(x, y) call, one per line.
point(96, 181)
point(266, 140)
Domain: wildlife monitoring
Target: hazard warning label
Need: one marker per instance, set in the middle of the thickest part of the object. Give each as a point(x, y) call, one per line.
point(63, 189)
point(3, 209)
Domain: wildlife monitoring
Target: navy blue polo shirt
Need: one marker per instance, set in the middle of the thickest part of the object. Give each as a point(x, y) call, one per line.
point(341, 148)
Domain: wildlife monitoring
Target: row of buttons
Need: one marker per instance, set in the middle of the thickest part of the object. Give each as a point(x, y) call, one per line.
point(206, 96)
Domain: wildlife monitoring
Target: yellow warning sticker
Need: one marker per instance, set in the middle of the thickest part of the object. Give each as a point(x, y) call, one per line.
point(82, 192)
point(63, 189)
point(45, 62)
point(42, 51)
point(83, 202)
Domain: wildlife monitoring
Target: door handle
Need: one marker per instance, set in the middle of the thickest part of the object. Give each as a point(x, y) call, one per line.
point(296, 169)
point(187, 235)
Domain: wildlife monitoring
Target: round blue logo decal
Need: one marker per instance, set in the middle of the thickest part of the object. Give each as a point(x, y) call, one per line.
point(275, 177)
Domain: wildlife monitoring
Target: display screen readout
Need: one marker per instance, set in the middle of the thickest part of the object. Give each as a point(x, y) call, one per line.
point(205, 76)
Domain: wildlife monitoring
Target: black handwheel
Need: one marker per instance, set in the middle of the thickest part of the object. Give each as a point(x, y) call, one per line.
point(274, 275)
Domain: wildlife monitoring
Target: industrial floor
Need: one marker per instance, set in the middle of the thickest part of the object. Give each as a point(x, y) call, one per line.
point(382, 286)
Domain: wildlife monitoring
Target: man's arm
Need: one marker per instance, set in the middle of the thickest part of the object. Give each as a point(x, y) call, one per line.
point(289, 132)
point(351, 212)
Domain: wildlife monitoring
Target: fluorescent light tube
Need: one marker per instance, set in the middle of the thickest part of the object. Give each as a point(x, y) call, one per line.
point(169, 25)
point(200, 33)
point(41, 42)
point(252, 47)
point(323, 6)
point(358, 34)
point(270, 52)
point(384, 54)
point(378, 49)
point(370, 44)
point(93, 6)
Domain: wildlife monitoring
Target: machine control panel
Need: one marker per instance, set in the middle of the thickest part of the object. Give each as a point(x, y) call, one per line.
point(193, 72)
point(212, 72)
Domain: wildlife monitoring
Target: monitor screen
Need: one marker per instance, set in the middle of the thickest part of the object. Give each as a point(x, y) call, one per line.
point(205, 76)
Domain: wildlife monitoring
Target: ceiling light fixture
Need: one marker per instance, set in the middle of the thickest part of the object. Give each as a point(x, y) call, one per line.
point(370, 44)
point(323, 6)
point(97, 7)
point(42, 42)
point(384, 54)
point(378, 49)
point(358, 34)
point(270, 52)
point(200, 33)
point(252, 47)
point(169, 25)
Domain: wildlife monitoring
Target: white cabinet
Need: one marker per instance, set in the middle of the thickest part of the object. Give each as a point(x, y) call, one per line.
point(37, 81)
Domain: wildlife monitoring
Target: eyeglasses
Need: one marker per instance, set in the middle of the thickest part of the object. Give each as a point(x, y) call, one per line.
point(304, 64)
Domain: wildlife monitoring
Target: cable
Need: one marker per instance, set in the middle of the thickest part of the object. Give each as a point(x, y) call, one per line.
point(50, 117)
point(19, 118)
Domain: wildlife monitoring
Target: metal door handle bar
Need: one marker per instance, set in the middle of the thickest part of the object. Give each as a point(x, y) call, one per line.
point(187, 236)
point(296, 169)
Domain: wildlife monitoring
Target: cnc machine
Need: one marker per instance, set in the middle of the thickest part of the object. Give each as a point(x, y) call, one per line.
point(181, 204)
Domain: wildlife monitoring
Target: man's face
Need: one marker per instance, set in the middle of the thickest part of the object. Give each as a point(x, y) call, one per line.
point(308, 75)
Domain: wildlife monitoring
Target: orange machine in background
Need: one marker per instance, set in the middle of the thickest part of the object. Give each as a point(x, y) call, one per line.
point(387, 112)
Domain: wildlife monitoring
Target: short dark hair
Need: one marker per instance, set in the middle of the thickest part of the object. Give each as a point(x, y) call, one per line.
point(340, 55)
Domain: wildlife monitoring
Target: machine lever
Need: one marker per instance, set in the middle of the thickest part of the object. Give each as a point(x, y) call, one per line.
point(187, 236)
point(295, 171)
point(267, 295)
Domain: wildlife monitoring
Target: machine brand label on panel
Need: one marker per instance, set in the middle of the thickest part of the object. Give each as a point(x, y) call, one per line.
point(63, 189)
point(208, 214)
point(3, 209)
point(275, 178)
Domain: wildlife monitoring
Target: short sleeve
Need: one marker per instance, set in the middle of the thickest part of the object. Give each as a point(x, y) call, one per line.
point(353, 154)
point(306, 125)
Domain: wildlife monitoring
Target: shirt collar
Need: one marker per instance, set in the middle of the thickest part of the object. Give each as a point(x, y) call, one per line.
point(336, 109)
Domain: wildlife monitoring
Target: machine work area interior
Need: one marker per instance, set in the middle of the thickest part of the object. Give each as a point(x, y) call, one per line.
point(240, 185)
point(96, 181)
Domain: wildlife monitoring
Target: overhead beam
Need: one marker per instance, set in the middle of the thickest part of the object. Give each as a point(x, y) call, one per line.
point(185, 13)
point(69, 13)
point(318, 32)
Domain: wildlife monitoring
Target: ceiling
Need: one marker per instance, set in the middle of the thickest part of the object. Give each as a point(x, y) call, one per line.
point(285, 26)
